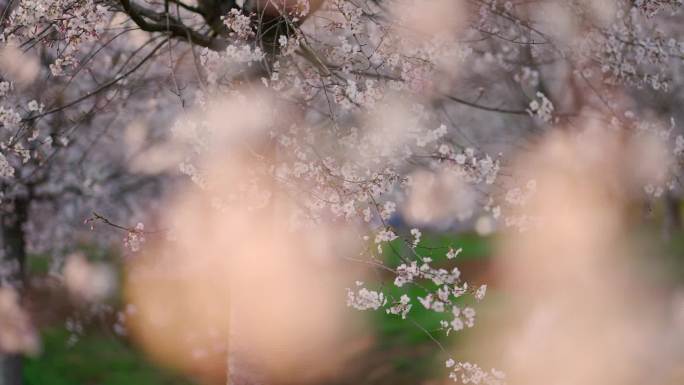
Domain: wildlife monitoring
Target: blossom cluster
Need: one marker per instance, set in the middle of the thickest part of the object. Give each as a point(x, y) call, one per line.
point(469, 373)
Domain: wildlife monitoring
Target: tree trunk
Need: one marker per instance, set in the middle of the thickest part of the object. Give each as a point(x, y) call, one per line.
point(673, 217)
point(10, 369)
point(13, 253)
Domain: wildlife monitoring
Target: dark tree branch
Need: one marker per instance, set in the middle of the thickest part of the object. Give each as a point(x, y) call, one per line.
point(171, 25)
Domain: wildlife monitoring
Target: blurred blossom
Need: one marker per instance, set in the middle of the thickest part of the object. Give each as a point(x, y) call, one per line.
point(485, 225)
point(558, 20)
point(18, 66)
point(430, 32)
point(430, 18)
point(438, 199)
point(602, 11)
point(555, 18)
point(89, 281)
point(390, 130)
point(584, 313)
point(146, 157)
point(17, 334)
point(243, 283)
point(647, 159)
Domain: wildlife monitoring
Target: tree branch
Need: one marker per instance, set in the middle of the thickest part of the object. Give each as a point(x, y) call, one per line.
point(169, 24)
